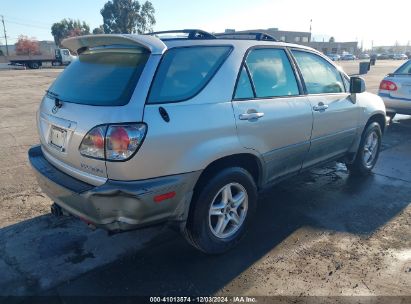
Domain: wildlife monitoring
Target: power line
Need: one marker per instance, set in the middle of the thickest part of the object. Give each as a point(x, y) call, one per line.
point(28, 25)
point(25, 20)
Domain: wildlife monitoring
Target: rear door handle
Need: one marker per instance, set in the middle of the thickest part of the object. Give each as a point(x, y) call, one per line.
point(251, 116)
point(320, 107)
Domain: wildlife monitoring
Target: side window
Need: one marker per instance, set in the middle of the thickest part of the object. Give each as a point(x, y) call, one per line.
point(319, 75)
point(244, 89)
point(184, 71)
point(271, 73)
point(346, 80)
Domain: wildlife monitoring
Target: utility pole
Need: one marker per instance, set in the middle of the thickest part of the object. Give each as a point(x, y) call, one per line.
point(5, 35)
point(311, 23)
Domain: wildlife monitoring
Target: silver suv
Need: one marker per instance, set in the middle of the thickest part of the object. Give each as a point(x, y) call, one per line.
point(187, 128)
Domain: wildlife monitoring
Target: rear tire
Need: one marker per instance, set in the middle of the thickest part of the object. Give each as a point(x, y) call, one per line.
point(368, 151)
point(221, 211)
point(34, 65)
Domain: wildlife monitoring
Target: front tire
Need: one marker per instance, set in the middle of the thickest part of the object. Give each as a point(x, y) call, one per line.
point(221, 211)
point(368, 151)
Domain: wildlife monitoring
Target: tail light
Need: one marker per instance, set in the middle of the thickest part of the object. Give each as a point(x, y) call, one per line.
point(113, 142)
point(92, 144)
point(388, 85)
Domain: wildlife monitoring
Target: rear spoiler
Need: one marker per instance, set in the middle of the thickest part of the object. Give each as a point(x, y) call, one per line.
point(151, 43)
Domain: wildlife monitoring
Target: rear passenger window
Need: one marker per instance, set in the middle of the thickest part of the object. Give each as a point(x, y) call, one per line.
point(244, 89)
point(183, 72)
point(271, 73)
point(319, 75)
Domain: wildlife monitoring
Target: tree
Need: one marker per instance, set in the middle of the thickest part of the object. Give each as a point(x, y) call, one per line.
point(128, 17)
point(27, 46)
point(98, 30)
point(332, 39)
point(68, 28)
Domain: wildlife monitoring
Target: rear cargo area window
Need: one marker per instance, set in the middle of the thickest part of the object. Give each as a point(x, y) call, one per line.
point(101, 77)
point(404, 69)
point(184, 72)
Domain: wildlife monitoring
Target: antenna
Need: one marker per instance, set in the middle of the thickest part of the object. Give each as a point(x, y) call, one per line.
point(5, 35)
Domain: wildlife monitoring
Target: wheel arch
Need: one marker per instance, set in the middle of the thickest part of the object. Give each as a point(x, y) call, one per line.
point(376, 117)
point(250, 162)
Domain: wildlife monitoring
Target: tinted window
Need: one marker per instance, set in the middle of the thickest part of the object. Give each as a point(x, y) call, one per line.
point(271, 73)
point(319, 75)
point(244, 88)
point(104, 77)
point(346, 80)
point(183, 72)
point(404, 69)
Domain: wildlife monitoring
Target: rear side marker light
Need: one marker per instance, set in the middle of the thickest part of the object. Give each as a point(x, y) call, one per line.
point(113, 142)
point(388, 85)
point(163, 197)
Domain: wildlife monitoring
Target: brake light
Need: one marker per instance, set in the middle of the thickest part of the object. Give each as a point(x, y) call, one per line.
point(388, 85)
point(123, 140)
point(113, 142)
point(92, 144)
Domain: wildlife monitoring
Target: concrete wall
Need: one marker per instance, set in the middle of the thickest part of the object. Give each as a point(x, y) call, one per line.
point(335, 47)
point(304, 38)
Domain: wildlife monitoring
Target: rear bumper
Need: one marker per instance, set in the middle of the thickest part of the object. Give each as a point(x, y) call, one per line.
point(397, 105)
point(116, 205)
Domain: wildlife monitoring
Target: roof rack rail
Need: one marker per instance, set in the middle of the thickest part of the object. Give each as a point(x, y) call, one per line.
point(192, 34)
point(246, 36)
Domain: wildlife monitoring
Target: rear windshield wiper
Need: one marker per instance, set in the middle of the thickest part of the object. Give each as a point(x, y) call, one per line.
point(52, 94)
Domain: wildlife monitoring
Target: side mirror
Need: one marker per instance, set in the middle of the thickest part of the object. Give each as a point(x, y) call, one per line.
point(357, 85)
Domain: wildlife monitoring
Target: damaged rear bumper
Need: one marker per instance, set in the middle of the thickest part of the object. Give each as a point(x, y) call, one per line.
point(116, 205)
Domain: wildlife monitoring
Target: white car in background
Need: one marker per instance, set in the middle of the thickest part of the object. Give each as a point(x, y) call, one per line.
point(400, 57)
point(395, 90)
point(334, 57)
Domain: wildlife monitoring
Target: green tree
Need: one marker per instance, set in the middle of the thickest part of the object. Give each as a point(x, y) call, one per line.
point(68, 28)
point(128, 17)
point(98, 30)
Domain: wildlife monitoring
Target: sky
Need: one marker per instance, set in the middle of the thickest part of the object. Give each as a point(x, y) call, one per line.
point(369, 22)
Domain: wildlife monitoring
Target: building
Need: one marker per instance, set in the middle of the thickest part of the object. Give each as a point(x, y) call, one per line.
point(287, 36)
point(398, 49)
point(304, 38)
point(335, 47)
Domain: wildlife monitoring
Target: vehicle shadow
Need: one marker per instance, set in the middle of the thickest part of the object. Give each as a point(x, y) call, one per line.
point(61, 256)
point(325, 199)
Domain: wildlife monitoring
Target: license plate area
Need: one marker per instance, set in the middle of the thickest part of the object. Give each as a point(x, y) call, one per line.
point(57, 138)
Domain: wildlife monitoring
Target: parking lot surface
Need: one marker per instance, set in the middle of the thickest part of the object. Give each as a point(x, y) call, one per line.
point(323, 233)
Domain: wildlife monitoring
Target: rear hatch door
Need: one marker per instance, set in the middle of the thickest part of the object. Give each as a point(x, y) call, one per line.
point(108, 83)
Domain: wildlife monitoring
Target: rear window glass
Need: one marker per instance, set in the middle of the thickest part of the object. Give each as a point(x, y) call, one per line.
point(184, 72)
point(101, 77)
point(404, 69)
